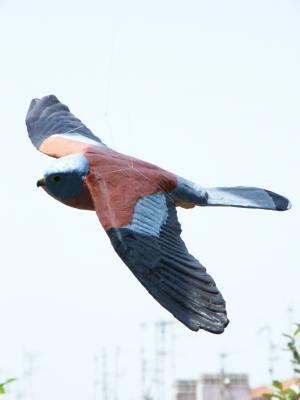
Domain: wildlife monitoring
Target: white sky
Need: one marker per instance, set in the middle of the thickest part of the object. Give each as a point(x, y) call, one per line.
point(209, 90)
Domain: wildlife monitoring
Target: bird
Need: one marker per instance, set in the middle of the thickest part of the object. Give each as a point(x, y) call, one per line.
point(136, 204)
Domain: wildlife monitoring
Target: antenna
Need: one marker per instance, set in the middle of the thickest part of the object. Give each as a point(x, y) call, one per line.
point(18, 391)
point(290, 311)
point(225, 379)
point(104, 375)
point(272, 349)
point(28, 360)
point(116, 373)
point(96, 376)
point(161, 354)
point(222, 363)
point(173, 361)
point(143, 361)
point(222, 375)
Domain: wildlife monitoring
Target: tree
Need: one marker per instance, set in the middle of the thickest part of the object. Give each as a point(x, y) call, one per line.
point(292, 392)
point(2, 385)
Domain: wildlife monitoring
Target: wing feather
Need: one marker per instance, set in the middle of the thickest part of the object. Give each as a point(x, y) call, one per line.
point(48, 116)
point(165, 268)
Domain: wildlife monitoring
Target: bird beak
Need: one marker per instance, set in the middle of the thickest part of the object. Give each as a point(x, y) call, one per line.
point(41, 182)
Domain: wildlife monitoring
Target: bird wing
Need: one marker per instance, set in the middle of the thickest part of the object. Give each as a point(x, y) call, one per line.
point(151, 246)
point(55, 131)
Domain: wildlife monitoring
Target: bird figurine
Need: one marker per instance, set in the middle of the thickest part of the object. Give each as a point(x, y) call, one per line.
point(136, 202)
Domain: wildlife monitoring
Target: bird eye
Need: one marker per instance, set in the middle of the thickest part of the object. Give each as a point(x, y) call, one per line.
point(56, 178)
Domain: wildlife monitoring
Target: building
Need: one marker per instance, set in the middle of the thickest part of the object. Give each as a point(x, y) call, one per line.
point(214, 387)
point(223, 387)
point(186, 389)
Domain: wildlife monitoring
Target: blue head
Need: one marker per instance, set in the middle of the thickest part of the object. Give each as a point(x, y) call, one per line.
point(65, 177)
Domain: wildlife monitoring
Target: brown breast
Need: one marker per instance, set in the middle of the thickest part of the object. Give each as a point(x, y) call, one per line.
point(115, 181)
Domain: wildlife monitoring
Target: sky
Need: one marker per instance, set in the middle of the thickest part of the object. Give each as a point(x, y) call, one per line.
point(209, 90)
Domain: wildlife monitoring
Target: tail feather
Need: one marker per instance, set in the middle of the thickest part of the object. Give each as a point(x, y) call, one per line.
point(239, 196)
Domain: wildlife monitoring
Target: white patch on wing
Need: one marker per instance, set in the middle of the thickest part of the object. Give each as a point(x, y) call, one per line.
point(150, 213)
point(81, 138)
point(240, 196)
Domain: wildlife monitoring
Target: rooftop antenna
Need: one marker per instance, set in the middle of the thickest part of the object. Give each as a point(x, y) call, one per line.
point(161, 354)
point(173, 359)
point(223, 357)
point(272, 349)
point(116, 373)
point(222, 363)
point(28, 360)
point(18, 391)
point(224, 375)
point(143, 361)
point(96, 376)
point(290, 317)
point(104, 375)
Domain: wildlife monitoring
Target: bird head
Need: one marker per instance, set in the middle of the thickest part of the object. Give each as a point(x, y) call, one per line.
point(64, 179)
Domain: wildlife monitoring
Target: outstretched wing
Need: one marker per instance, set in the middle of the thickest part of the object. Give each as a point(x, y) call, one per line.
point(53, 129)
point(150, 245)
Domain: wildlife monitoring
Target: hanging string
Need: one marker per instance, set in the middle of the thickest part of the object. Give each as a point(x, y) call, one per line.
point(109, 74)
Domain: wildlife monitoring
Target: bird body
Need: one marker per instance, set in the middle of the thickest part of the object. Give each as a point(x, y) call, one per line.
point(136, 202)
point(124, 178)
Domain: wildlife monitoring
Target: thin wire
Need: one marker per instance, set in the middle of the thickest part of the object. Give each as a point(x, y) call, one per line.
point(113, 40)
point(73, 129)
point(109, 74)
point(131, 167)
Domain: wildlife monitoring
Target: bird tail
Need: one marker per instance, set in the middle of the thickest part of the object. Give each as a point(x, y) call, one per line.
point(188, 194)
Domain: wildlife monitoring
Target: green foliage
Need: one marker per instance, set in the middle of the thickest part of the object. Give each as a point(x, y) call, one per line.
point(292, 392)
point(2, 385)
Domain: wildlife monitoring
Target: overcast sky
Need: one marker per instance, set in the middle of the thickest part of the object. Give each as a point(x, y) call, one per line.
point(209, 90)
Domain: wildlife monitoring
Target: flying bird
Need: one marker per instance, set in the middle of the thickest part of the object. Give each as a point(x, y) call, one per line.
point(136, 202)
